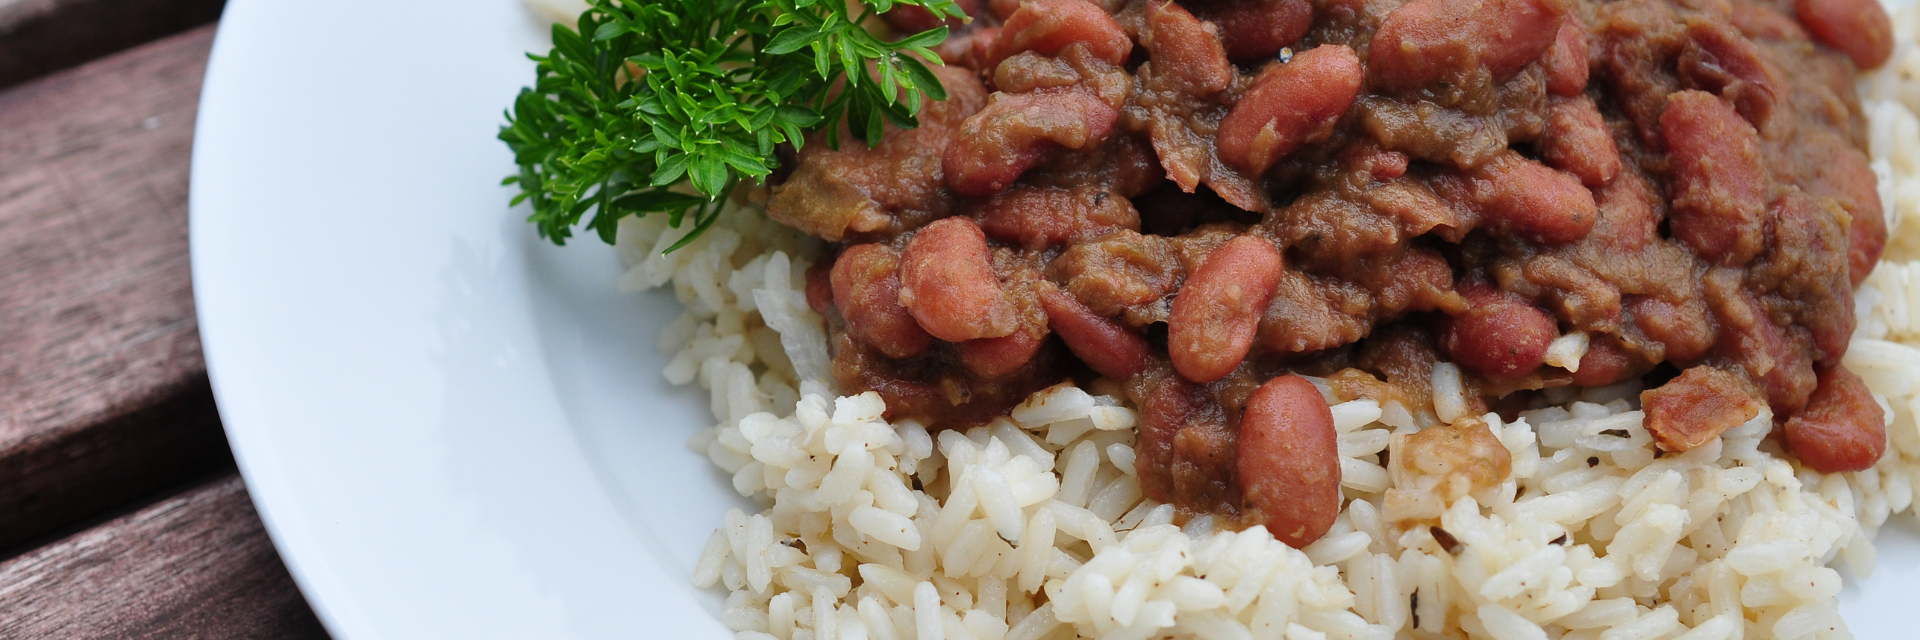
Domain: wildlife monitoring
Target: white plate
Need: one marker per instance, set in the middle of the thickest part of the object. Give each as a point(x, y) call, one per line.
point(454, 429)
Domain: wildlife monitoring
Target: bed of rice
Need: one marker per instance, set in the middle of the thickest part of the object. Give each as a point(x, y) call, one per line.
point(1034, 526)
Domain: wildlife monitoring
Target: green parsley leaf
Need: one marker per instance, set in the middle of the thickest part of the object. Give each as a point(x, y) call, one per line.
point(665, 106)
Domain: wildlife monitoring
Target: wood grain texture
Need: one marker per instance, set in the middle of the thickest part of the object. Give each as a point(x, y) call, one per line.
point(197, 565)
point(38, 37)
point(103, 391)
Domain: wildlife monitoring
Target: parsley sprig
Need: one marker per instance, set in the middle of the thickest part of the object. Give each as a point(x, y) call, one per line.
point(663, 106)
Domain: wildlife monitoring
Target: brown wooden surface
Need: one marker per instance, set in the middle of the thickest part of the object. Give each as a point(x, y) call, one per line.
point(38, 37)
point(103, 392)
point(197, 565)
point(104, 402)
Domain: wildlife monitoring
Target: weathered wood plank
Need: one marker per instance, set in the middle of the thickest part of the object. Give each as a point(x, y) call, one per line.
point(38, 37)
point(198, 565)
point(103, 391)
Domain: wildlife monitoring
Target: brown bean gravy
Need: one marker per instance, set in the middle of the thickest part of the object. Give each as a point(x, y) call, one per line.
point(1193, 199)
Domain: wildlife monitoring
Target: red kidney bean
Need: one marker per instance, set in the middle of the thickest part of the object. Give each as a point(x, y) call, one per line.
point(1217, 313)
point(1042, 217)
point(1106, 345)
point(1516, 195)
point(995, 357)
point(1289, 460)
point(1867, 240)
point(1014, 132)
point(820, 287)
point(1719, 183)
point(866, 289)
point(1690, 410)
point(1605, 363)
point(1566, 60)
point(1256, 29)
point(1425, 42)
point(1183, 47)
point(947, 283)
point(1858, 28)
point(1046, 26)
point(1842, 428)
point(1719, 59)
point(1847, 178)
point(1577, 141)
point(1500, 335)
point(1290, 105)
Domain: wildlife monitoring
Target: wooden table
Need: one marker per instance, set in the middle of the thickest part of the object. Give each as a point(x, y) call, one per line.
point(121, 514)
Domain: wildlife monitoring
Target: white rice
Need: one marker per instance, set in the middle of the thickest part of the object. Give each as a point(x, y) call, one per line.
point(1034, 526)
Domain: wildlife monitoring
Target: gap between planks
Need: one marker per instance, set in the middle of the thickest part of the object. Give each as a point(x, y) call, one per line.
point(38, 37)
point(197, 565)
point(103, 390)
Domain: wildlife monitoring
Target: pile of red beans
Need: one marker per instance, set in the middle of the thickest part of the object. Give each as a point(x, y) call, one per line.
point(1195, 201)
